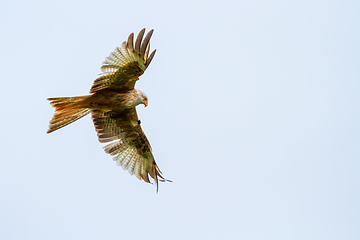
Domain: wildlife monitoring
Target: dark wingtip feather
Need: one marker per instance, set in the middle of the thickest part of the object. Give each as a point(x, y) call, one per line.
point(138, 40)
point(145, 42)
point(148, 61)
point(130, 41)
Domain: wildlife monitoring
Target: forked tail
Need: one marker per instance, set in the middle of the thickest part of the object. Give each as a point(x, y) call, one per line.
point(67, 110)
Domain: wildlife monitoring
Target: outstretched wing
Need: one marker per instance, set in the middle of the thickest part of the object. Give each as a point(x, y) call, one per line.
point(124, 65)
point(128, 143)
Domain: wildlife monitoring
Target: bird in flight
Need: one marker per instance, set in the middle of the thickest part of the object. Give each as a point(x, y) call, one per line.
point(112, 103)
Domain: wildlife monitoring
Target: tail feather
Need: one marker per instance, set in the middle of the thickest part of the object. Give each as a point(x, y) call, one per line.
point(67, 110)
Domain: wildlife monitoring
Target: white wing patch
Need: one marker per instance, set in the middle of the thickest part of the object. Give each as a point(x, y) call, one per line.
point(129, 159)
point(120, 57)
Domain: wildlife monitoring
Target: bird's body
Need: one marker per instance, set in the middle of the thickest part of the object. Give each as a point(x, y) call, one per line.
point(113, 100)
point(112, 103)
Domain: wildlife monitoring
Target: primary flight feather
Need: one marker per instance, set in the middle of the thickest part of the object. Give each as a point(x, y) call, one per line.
point(112, 103)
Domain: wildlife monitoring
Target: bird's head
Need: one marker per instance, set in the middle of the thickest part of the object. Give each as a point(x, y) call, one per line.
point(143, 98)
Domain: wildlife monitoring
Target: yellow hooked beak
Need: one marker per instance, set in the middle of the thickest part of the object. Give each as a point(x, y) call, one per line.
point(145, 102)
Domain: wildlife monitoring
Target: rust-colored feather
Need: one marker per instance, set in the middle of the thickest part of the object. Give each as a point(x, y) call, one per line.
point(67, 110)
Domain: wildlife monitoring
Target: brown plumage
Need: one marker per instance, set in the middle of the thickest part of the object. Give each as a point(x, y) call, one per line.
point(112, 103)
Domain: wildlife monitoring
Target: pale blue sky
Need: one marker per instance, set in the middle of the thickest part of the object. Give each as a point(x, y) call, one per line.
point(253, 113)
